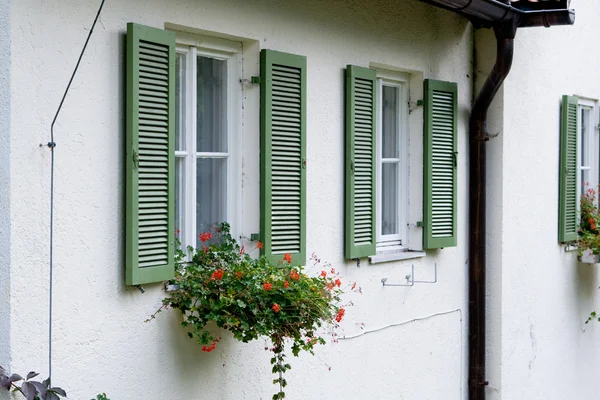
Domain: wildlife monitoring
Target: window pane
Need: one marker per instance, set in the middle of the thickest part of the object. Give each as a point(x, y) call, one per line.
point(212, 105)
point(389, 119)
point(211, 194)
point(585, 150)
point(179, 197)
point(180, 67)
point(389, 198)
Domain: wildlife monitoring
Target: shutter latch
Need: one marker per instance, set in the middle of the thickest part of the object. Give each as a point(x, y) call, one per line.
point(136, 159)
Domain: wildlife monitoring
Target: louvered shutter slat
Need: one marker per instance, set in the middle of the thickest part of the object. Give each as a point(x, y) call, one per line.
point(439, 156)
point(150, 155)
point(360, 162)
point(568, 199)
point(283, 142)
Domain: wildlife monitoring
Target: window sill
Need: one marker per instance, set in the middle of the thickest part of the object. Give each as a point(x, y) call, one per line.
point(401, 255)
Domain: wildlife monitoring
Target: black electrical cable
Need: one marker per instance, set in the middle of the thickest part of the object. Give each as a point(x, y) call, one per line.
point(52, 145)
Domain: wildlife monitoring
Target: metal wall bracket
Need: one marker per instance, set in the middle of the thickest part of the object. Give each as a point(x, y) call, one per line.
point(410, 279)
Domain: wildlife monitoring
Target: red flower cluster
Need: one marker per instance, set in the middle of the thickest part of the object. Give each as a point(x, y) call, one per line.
point(205, 236)
point(592, 223)
point(340, 315)
point(259, 245)
point(276, 307)
point(217, 275)
point(286, 284)
point(239, 274)
point(295, 275)
point(287, 257)
point(210, 348)
point(268, 286)
point(338, 283)
point(323, 274)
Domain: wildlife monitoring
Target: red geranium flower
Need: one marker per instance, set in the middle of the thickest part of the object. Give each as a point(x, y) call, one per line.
point(276, 307)
point(287, 257)
point(210, 348)
point(267, 286)
point(340, 315)
point(295, 275)
point(217, 275)
point(259, 245)
point(286, 284)
point(205, 236)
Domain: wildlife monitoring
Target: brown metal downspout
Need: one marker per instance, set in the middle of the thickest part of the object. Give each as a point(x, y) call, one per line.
point(505, 34)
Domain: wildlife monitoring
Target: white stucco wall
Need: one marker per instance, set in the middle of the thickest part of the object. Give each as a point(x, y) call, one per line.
point(538, 295)
point(100, 340)
point(5, 37)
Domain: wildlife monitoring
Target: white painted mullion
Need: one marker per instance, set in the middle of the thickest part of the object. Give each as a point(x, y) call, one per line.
point(208, 154)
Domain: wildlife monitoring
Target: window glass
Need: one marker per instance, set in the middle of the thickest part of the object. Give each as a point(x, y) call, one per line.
point(389, 201)
point(211, 193)
point(211, 114)
point(179, 196)
point(389, 117)
point(389, 167)
point(180, 67)
point(585, 148)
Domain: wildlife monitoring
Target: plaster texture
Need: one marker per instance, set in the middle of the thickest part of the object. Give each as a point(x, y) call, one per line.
point(416, 348)
point(539, 296)
point(5, 225)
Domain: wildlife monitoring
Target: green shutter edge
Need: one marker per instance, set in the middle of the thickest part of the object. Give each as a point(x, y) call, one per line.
point(351, 250)
point(134, 275)
point(564, 234)
point(267, 59)
point(430, 85)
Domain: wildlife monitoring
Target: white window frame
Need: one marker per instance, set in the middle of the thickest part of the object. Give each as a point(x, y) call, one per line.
point(394, 242)
point(593, 142)
point(231, 52)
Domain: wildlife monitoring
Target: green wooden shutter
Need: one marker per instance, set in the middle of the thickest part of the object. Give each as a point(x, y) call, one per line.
point(150, 152)
point(440, 162)
point(283, 156)
point(567, 209)
point(360, 239)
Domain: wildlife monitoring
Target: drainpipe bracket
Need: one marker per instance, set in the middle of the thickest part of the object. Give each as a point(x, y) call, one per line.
point(489, 136)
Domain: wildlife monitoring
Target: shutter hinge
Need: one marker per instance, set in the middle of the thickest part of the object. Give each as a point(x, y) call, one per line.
point(304, 163)
point(412, 106)
point(254, 80)
point(136, 159)
point(352, 165)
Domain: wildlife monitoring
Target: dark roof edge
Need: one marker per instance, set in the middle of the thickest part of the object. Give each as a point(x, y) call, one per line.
point(487, 13)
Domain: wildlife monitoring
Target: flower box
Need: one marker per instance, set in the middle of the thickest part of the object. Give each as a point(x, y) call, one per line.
point(588, 257)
